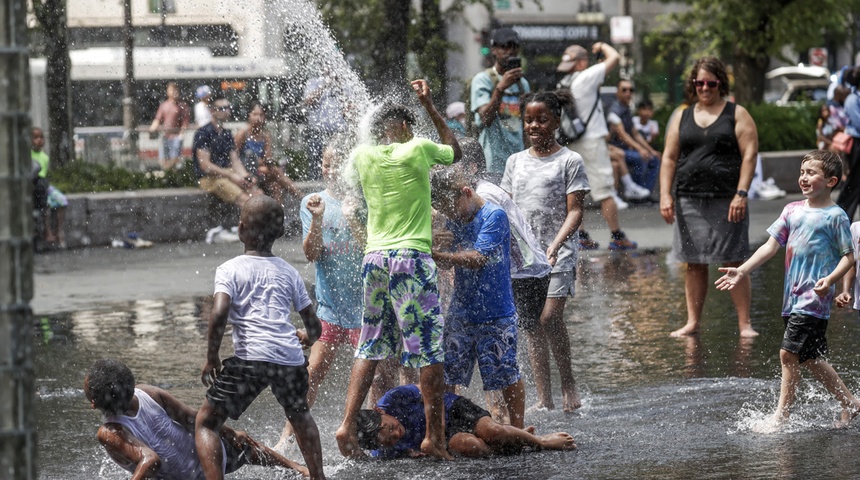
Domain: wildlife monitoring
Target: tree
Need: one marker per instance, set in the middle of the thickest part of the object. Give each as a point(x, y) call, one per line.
point(747, 34)
point(51, 15)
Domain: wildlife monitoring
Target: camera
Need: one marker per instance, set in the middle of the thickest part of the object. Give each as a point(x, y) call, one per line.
point(511, 63)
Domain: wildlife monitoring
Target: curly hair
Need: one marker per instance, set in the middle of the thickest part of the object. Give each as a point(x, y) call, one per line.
point(110, 386)
point(712, 65)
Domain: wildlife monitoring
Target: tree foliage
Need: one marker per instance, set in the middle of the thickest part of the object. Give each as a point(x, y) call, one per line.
point(747, 34)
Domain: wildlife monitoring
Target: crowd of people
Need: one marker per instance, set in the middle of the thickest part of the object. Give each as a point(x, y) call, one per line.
point(502, 214)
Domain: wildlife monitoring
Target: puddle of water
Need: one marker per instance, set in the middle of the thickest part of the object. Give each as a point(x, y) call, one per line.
point(654, 406)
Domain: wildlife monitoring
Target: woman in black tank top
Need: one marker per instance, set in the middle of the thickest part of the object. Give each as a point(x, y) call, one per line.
point(708, 164)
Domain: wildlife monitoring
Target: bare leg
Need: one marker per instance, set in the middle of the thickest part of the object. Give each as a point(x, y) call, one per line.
point(61, 226)
point(433, 390)
point(322, 356)
point(308, 438)
point(824, 373)
point(502, 438)
point(384, 380)
point(742, 298)
point(696, 287)
point(788, 387)
point(208, 442)
point(495, 405)
point(539, 359)
point(552, 320)
point(264, 456)
point(359, 384)
point(408, 375)
point(515, 400)
point(609, 210)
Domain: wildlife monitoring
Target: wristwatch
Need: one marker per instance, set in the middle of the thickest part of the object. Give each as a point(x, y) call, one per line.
point(742, 193)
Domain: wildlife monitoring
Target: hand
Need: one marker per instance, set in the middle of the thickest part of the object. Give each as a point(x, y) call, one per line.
point(667, 208)
point(442, 239)
point(731, 278)
point(843, 300)
point(316, 205)
point(597, 47)
point(510, 77)
point(303, 338)
point(422, 89)
point(210, 370)
point(822, 287)
point(552, 253)
point(738, 209)
point(644, 154)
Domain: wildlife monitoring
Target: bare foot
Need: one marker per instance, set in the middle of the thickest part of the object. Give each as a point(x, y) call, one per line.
point(540, 407)
point(748, 332)
point(688, 329)
point(571, 400)
point(557, 441)
point(772, 424)
point(430, 449)
point(347, 442)
point(285, 443)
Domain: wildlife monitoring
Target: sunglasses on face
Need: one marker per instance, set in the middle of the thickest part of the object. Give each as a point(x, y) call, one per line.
point(709, 83)
point(223, 108)
point(628, 89)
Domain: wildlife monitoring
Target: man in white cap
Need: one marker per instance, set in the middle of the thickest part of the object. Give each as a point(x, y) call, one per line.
point(495, 101)
point(584, 82)
point(455, 116)
point(202, 115)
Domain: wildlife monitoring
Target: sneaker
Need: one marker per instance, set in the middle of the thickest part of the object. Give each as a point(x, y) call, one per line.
point(226, 236)
point(622, 243)
point(767, 190)
point(135, 241)
point(622, 205)
point(585, 241)
point(636, 192)
point(210, 234)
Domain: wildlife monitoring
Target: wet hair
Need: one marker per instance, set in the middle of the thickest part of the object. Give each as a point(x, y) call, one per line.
point(645, 104)
point(446, 184)
point(831, 164)
point(341, 143)
point(263, 221)
point(714, 66)
point(110, 386)
point(555, 101)
point(369, 422)
point(473, 154)
point(387, 113)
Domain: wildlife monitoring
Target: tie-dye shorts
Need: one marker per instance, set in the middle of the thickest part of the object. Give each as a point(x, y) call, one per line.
point(401, 308)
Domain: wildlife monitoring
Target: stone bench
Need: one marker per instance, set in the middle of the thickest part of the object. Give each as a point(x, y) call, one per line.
point(159, 215)
point(784, 167)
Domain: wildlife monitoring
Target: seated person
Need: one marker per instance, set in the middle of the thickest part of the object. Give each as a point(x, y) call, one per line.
point(395, 428)
point(150, 433)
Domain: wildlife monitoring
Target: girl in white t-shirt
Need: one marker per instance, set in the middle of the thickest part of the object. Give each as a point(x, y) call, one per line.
point(548, 183)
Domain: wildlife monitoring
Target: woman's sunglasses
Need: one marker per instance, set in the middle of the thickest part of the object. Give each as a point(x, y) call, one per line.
point(709, 83)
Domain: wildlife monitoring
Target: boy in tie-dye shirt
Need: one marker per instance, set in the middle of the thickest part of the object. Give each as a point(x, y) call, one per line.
point(819, 252)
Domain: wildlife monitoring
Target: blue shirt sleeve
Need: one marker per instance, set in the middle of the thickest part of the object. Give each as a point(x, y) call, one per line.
point(494, 232)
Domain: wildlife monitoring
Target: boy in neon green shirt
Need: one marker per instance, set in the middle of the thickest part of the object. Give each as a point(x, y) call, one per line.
point(402, 310)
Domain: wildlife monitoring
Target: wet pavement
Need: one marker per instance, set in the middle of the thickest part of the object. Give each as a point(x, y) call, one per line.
point(86, 278)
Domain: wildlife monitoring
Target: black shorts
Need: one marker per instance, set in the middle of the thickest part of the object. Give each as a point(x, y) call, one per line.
point(529, 297)
point(804, 335)
point(240, 381)
point(236, 457)
point(462, 417)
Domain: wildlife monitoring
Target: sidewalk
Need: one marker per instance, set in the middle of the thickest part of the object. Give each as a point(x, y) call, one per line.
point(92, 278)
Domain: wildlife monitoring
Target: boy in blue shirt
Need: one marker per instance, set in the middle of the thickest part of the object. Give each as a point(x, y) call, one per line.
point(482, 317)
point(819, 252)
point(395, 428)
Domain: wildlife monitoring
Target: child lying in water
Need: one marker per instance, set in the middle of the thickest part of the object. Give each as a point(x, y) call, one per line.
point(395, 428)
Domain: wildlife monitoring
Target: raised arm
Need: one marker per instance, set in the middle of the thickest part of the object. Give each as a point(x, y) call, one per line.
point(214, 336)
point(313, 241)
point(445, 133)
point(611, 57)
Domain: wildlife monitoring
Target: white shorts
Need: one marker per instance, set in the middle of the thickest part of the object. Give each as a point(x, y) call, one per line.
point(598, 168)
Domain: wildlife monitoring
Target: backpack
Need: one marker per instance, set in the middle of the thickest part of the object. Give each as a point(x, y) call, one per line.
point(571, 127)
point(472, 129)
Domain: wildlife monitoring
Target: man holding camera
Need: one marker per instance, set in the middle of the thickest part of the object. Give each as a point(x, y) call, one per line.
point(584, 83)
point(495, 101)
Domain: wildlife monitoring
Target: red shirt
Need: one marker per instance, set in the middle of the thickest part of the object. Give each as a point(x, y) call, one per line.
point(173, 116)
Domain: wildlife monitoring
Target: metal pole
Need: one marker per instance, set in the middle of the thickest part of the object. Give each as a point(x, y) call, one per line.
point(17, 422)
point(163, 23)
point(128, 84)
